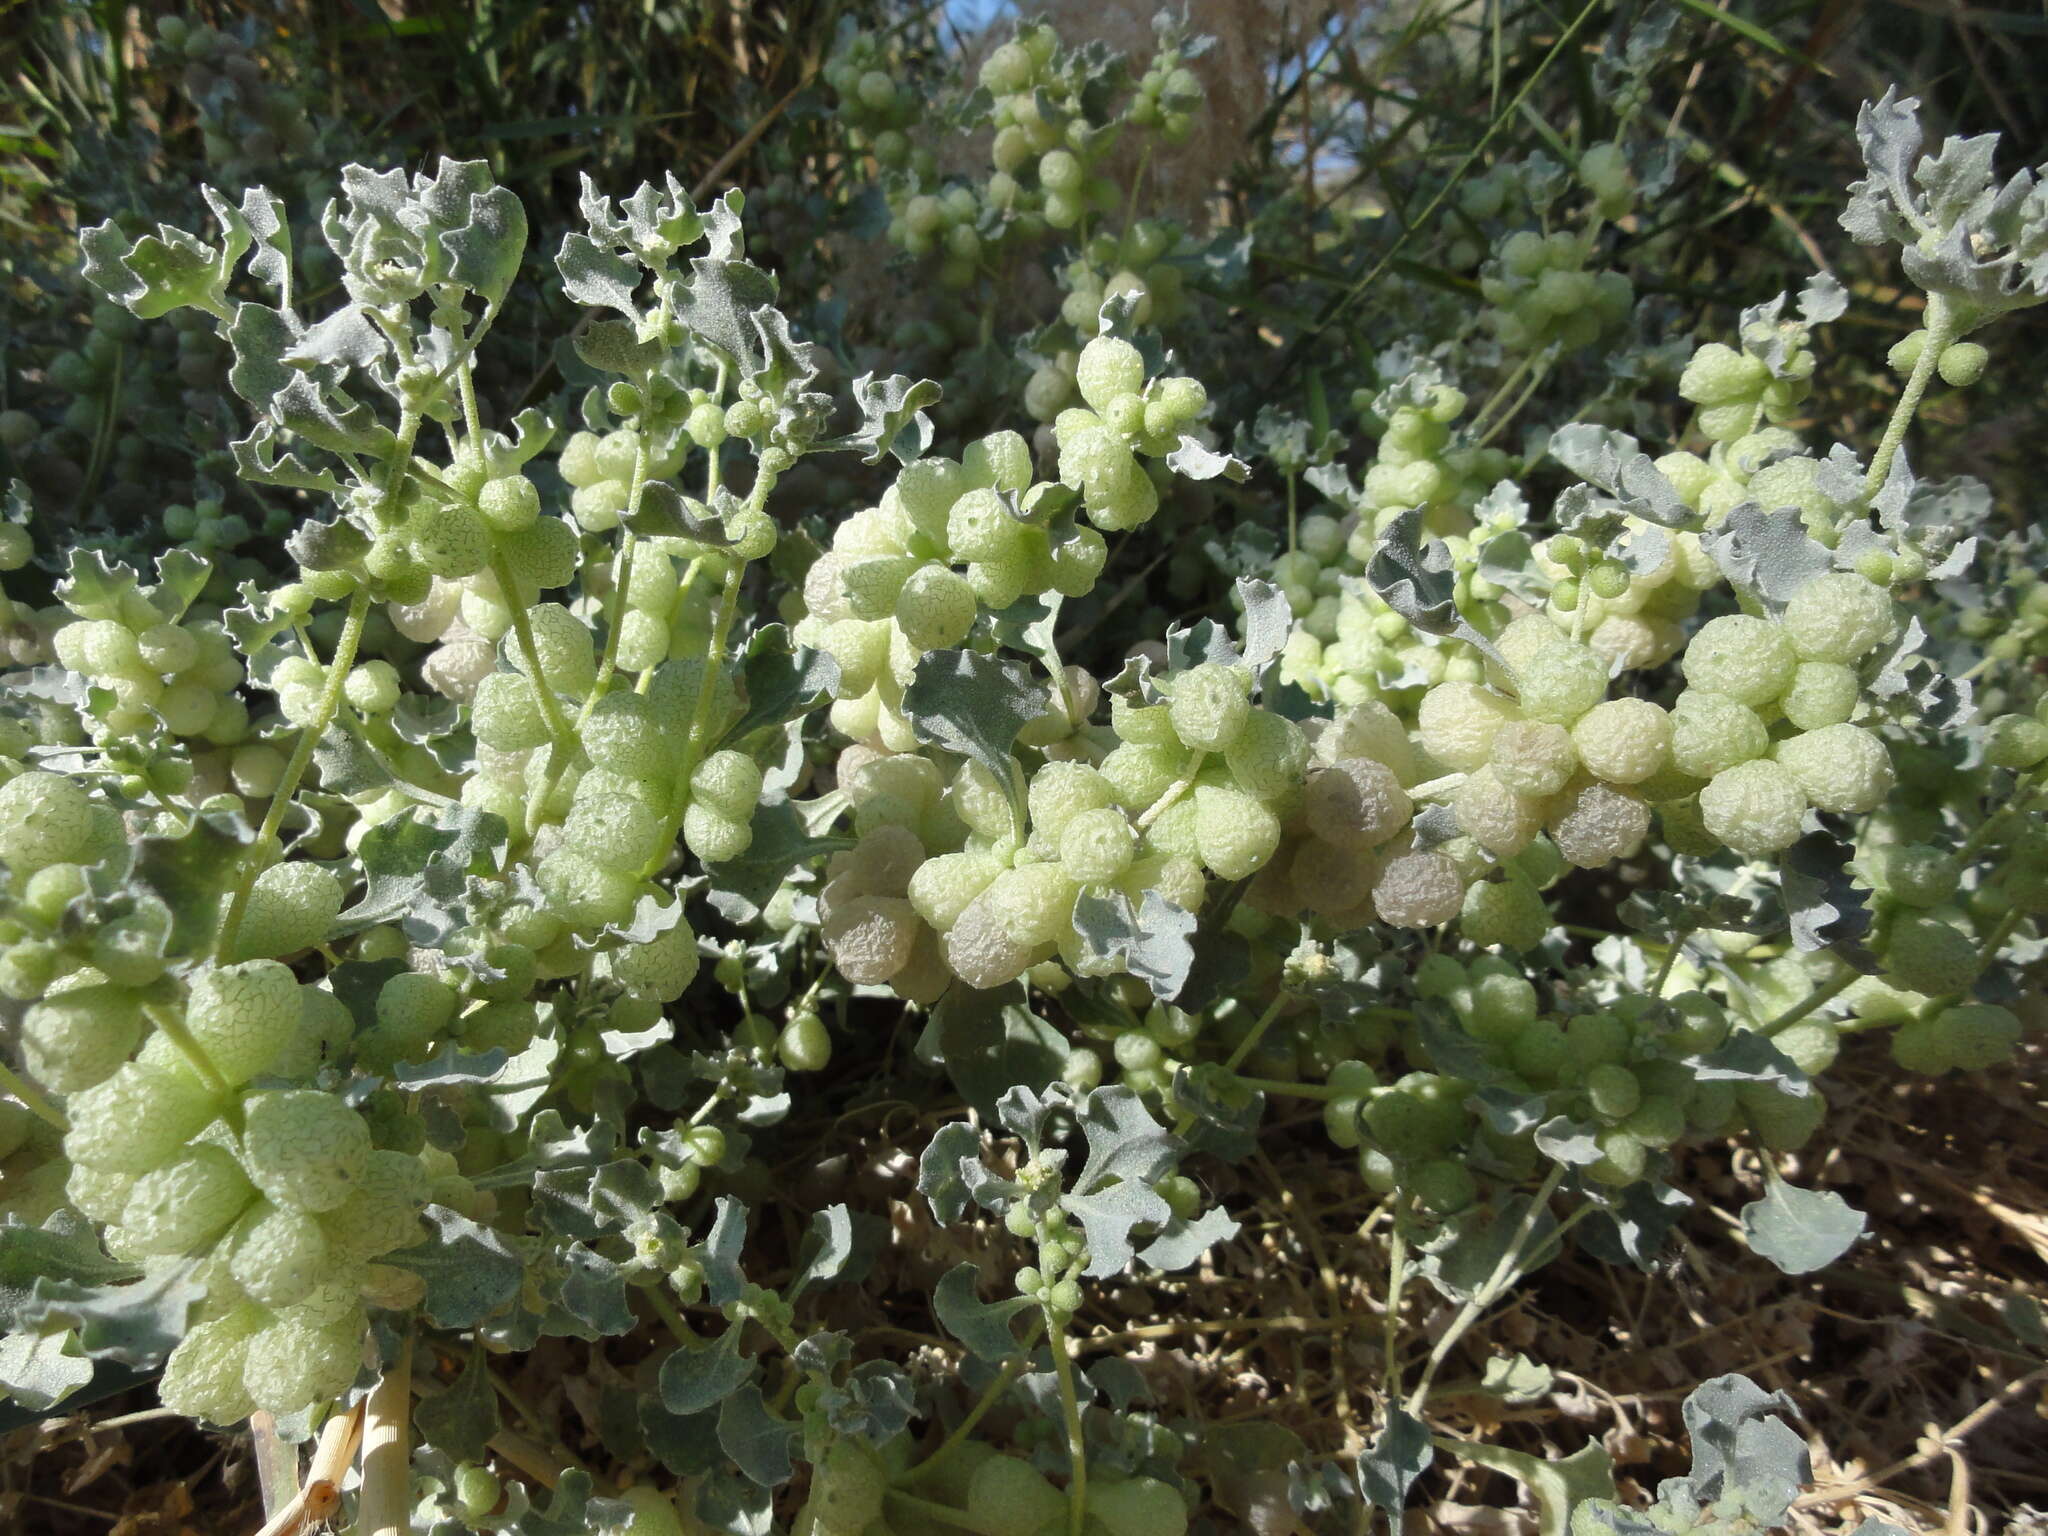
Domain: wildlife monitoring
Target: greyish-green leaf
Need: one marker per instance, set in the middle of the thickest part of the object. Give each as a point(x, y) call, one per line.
point(469, 1270)
point(758, 1442)
point(972, 705)
point(991, 1041)
point(983, 1326)
point(1399, 1454)
point(938, 1169)
point(700, 1376)
point(1801, 1230)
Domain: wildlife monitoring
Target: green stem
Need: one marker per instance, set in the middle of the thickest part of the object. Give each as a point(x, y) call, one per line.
point(1998, 935)
point(700, 716)
point(671, 1316)
point(704, 1110)
point(1070, 1410)
point(31, 1100)
point(1503, 1276)
point(1255, 1034)
point(2021, 802)
point(1014, 1367)
point(714, 651)
point(1515, 409)
point(1245, 1047)
point(1131, 203)
point(472, 418)
point(103, 440)
point(1436, 788)
point(1819, 997)
point(711, 470)
point(1941, 324)
point(1173, 792)
point(561, 740)
point(258, 856)
point(1397, 1278)
point(173, 1028)
point(559, 735)
point(1670, 961)
point(1425, 219)
point(622, 576)
point(1500, 393)
point(1322, 1093)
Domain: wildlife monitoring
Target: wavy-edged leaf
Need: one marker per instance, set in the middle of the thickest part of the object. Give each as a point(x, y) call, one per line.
point(983, 1326)
point(469, 1270)
point(1801, 1230)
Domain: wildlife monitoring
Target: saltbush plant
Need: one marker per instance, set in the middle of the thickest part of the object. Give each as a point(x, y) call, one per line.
point(412, 943)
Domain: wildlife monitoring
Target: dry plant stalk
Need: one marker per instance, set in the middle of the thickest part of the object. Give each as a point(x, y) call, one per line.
point(321, 1495)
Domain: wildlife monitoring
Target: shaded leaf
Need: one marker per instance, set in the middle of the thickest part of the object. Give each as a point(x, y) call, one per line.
point(470, 1272)
point(758, 1442)
point(63, 1249)
point(1462, 1259)
point(991, 1041)
point(1740, 1445)
point(593, 1291)
point(827, 1250)
point(1516, 1378)
point(189, 872)
point(1416, 577)
point(1185, 1239)
point(724, 1282)
point(415, 863)
point(739, 888)
point(1826, 906)
point(572, 1511)
point(779, 684)
point(449, 1067)
point(1636, 1224)
point(1748, 1056)
point(700, 1376)
point(463, 1419)
point(1267, 620)
point(1194, 460)
point(39, 1368)
point(1769, 555)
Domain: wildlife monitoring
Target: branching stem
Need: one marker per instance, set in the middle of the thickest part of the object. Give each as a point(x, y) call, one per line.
point(258, 857)
point(1503, 1276)
point(1012, 1369)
